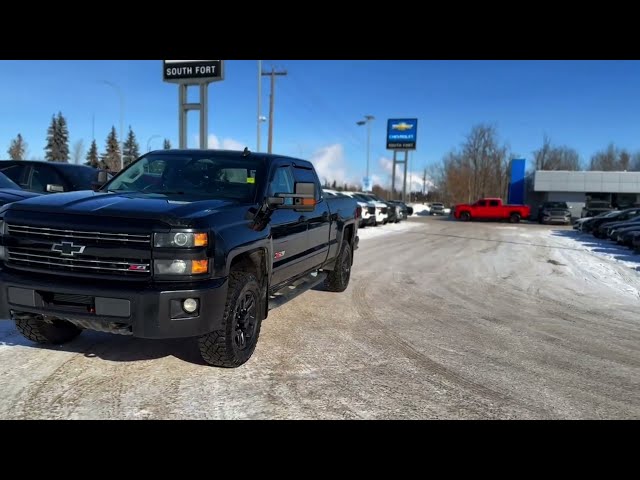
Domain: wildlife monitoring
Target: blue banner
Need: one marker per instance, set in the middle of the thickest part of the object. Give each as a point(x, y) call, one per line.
point(402, 133)
point(516, 186)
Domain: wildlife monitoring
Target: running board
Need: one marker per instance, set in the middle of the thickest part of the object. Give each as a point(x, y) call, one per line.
point(290, 292)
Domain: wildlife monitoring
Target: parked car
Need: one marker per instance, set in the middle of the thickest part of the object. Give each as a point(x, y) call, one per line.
point(491, 209)
point(206, 252)
point(554, 212)
point(593, 225)
point(600, 227)
point(595, 207)
point(367, 206)
point(437, 209)
point(382, 209)
point(11, 192)
point(402, 208)
point(53, 177)
point(587, 222)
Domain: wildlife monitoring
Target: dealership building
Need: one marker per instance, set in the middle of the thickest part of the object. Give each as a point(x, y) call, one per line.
point(620, 189)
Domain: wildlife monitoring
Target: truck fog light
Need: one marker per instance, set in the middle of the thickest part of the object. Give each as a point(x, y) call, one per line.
point(190, 305)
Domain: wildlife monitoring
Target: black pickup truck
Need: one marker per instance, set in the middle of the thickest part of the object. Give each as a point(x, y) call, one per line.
point(182, 243)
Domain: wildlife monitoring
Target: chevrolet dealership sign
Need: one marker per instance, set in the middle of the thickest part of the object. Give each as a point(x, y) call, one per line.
point(192, 71)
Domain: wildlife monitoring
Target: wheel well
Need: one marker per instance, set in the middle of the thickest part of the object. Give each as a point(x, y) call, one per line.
point(517, 213)
point(251, 262)
point(348, 234)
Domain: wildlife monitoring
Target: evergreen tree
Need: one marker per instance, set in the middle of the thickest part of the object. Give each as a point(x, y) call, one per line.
point(57, 148)
point(93, 159)
point(334, 185)
point(50, 150)
point(167, 144)
point(131, 148)
point(18, 148)
point(63, 132)
point(111, 158)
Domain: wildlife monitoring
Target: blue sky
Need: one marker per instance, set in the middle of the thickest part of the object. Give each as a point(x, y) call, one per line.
point(582, 104)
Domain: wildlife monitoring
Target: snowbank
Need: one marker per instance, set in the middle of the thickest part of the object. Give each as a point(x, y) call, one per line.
point(388, 229)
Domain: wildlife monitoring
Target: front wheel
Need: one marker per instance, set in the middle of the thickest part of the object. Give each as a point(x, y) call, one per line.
point(36, 329)
point(465, 216)
point(234, 343)
point(338, 278)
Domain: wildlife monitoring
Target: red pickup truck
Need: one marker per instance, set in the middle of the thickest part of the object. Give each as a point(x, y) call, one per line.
point(491, 209)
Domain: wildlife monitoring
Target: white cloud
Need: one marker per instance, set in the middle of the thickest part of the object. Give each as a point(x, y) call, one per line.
point(330, 164)
point(215, 143)
point(415, 181)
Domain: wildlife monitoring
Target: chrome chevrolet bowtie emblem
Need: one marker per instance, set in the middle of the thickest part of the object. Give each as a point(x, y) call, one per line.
point(67, 248)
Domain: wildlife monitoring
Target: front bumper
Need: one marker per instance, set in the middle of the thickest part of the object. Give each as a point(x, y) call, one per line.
point(141, 311)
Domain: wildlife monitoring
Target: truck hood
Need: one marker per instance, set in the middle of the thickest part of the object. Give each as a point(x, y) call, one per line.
point(8, 195)
point(171, 210)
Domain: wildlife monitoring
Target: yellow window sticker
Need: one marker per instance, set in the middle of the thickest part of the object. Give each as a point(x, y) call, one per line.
point(251, 180)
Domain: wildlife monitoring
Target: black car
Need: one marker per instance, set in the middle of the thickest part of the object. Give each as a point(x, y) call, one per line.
point(11, 192)
point(52, 177)
point(404, 210)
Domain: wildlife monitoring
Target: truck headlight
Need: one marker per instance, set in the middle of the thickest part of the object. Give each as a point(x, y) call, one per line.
point(180, 240)
point(181, 267)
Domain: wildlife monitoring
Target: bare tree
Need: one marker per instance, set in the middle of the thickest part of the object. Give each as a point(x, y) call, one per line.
point(77, 152)
point(611, 159)
point(549, 157)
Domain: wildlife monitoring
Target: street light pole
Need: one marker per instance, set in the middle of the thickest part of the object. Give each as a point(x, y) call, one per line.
point(367, 121)
point(259, 103)
point(149, 141)
point(119, 92)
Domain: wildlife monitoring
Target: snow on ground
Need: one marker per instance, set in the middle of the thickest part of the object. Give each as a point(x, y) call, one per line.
point(419, 209)
point(388, 229)
point(597, 262)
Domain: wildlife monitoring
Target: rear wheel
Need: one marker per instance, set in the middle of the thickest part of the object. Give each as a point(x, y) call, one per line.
point(234, 343)
point(514, 217)
point(338, 278)
point(36, 329)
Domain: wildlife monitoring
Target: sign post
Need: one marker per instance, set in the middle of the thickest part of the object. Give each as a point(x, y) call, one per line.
point(188, 73)
point(402, 135)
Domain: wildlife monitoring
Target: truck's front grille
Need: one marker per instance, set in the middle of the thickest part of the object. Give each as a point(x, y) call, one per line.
point(23, 257)
point(372, 210)
point(383, 210)
point(96, 238)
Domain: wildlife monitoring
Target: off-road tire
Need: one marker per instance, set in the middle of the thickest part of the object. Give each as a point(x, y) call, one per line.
point(220, 348)
point(37, 330)
point(338, 278)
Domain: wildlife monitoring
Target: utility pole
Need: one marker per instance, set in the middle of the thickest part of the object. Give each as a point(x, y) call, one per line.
point(259, 104)
point(273, 75)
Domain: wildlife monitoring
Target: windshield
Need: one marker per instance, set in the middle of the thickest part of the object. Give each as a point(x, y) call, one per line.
point(197, 176)
point(6, 182)
point(555, 205)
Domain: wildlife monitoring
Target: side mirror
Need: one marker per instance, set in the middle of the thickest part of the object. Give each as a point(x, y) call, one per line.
point(102, 177)
point(54, 188)
point(304, 198)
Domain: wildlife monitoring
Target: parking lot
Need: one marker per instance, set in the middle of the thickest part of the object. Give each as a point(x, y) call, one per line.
point(442, 319)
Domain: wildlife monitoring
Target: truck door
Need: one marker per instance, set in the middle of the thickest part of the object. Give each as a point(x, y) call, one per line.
point(288, 229)
point(494, 209)
point(318, 221)
point(482, 209)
